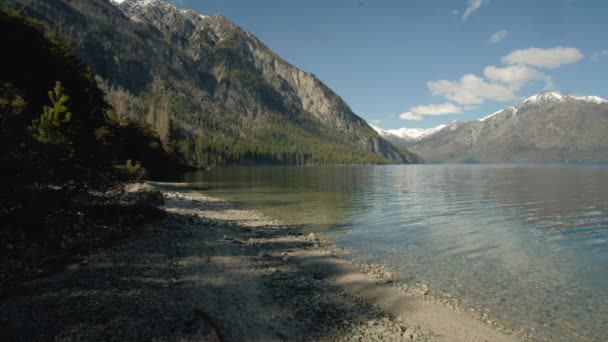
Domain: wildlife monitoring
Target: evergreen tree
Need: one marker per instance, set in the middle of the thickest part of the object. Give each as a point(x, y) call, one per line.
point(54, 153)
point(48, 128)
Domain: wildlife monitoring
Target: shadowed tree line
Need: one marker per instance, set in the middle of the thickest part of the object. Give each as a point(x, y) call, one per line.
point(59, 139)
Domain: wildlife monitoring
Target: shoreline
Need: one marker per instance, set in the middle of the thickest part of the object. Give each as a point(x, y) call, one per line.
point(210, 270)
point(416, 311)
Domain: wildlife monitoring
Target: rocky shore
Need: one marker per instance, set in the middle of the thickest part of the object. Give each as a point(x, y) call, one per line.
point(210, 270)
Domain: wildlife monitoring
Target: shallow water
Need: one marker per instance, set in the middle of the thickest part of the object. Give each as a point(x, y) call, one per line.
point(527, 242)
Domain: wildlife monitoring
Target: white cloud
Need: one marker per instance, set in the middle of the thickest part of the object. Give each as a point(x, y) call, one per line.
point(376, 121)
point(455, 12)
point(498, 37)
point(515, 76)
point(410, 116)
point(596, 56)
point(418, 112)
point(544, 58)
point(499, 83)
point(470, 89)
point(437, 109)
point(473, 5)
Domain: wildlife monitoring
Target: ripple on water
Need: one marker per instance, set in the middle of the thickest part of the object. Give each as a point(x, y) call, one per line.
point(528, 242)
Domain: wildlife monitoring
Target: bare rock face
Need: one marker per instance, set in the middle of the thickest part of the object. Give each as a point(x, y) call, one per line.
point(201, 79)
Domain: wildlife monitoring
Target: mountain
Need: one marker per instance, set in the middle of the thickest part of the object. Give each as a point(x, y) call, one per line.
point(213, 91)
point(406, 135)
point(548, 127)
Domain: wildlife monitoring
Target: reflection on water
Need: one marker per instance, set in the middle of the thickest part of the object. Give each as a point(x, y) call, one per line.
point(318, 198)
point(528, 242)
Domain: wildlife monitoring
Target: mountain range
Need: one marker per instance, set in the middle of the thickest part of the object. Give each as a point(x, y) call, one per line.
point(548, 127)
point(213, 91)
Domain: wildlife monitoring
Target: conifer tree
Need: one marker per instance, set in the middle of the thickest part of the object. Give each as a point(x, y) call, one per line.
point(52, 132)
point(48, 126)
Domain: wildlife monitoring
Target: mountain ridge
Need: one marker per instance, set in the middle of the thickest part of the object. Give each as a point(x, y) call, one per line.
point(546, 127)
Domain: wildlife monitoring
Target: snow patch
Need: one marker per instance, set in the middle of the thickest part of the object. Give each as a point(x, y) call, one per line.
point(138, 2)
point(134, 8)
point(555, 96)
point(593, 99)
point(513, 110)
point(489, 116)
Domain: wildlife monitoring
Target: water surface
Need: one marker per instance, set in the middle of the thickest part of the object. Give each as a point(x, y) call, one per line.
point(529, 243)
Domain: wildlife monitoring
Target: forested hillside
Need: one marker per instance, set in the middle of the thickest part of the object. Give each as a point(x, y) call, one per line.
point(212, 91)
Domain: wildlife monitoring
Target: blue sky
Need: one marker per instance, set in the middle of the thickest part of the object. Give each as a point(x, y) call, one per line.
point(421, 63)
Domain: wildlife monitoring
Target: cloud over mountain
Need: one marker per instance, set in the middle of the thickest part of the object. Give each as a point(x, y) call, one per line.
point(499, 83)
point(470, 89)
point(544, 58)
point(417, 113)
point(514, 75)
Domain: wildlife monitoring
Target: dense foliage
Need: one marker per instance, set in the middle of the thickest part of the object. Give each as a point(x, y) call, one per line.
point(58, 136)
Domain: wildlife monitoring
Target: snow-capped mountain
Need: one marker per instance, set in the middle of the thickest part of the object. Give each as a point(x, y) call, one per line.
point(139, 4)
point(548, 127)
point(135, 9)
point(408, 134)
point(546, 97)
point(556, 96)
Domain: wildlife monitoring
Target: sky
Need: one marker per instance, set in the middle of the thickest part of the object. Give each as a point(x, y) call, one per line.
point(422, 63)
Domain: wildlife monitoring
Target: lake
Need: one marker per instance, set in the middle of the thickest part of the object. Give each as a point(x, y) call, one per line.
point(527, 242)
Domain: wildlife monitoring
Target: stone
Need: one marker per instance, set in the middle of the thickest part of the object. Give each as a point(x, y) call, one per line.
point(410, 333)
